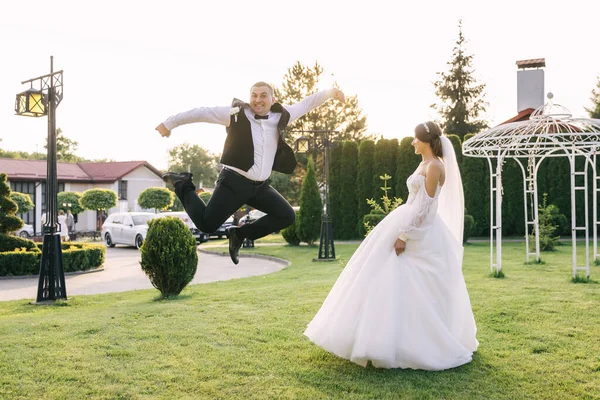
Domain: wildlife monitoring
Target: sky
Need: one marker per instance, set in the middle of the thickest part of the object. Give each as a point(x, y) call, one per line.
point(128, 65)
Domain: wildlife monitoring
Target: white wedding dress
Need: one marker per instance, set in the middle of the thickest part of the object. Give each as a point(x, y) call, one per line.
point(406, 311)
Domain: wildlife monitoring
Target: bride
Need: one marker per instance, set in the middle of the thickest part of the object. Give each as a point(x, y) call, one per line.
point(401, 301)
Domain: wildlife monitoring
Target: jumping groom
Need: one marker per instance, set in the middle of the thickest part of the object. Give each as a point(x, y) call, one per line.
point(254, 147)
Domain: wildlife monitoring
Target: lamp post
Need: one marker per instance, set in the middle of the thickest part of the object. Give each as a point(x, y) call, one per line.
point(320, 140)
point(38, 102)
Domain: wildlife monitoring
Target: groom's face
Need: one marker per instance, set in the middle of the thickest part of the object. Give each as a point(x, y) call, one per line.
point(261, 100)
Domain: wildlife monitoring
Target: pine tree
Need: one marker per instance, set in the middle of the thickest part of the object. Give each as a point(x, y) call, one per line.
point(349, 205)
point(311, 207)
point(461, 97)
point(594, 111)
point(301, 81)
point(364, 181)
point(476, 185)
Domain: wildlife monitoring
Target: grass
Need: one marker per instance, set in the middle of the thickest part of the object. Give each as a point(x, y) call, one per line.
point(243, 339)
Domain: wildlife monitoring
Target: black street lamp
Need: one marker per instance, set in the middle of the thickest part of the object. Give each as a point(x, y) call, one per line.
point(37, 103)
point(320, 140)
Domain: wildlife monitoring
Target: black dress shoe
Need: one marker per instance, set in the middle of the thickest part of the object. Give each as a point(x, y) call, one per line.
point(176, 177)
point(234, 245)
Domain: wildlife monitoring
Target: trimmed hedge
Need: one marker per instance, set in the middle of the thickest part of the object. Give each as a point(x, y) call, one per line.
point(76, 257)
point(290, 235)
point(10, 242)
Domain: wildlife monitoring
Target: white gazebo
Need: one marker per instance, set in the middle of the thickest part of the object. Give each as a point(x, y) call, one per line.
point(551, 131)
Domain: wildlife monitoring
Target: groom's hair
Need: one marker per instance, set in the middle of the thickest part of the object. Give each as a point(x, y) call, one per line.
point(261, 83)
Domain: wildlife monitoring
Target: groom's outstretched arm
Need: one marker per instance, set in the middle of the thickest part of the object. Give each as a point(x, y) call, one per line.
point(214, 115)
point(313, 101)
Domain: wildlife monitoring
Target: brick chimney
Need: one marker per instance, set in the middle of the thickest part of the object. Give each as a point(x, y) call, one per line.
point(530, 83)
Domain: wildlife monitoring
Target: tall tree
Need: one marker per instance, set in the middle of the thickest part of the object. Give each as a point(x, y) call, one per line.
point(195, 159)
point(301, 81)
point(311, 207)
point(335, 199)
point(405, 165)
point(475, 175)
point(364, 181)
point(65, 147)
point(594, 111)
point(349, 206)
point(386, 154)
point(461, 97)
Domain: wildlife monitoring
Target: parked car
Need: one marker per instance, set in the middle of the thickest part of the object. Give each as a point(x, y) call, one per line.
point(26, 231)
point(222, 231)
point(200, 236)
point(129, 228)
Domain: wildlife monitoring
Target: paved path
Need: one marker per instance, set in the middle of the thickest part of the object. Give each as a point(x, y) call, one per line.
point(122, 272)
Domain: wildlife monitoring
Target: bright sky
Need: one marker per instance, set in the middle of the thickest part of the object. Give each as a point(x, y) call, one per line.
point(128, 65)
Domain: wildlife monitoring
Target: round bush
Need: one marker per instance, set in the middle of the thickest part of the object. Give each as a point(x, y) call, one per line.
point(169, 255)
point(289, 234)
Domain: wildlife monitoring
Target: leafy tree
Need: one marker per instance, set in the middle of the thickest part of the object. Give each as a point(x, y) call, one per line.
point(158, 198)
point(301, 81)
point(65, 147)
point(311, 207)
point(23, 202)
point(461, 97)
point(195, 159)
point(289, 186)
point(594, 111)
point(98, 199)
point(364, 180)
point(73, 198)
point(9, 222)
point(349, 203)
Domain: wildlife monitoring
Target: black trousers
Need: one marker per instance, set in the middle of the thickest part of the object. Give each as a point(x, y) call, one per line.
point(232, 192)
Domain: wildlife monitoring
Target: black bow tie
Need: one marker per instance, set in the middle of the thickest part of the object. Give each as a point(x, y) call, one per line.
point(256, 116)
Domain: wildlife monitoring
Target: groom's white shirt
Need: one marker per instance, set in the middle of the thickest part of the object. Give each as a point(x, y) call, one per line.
point(264, 131)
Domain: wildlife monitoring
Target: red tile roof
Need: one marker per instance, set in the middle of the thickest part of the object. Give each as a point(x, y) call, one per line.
point(523, 115)
point(17, 169)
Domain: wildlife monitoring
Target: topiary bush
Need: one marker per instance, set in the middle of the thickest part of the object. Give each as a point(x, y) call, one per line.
point(23, 202)
point(8, 221)
point(289, 234)
point(9, 243)
point(169, 255)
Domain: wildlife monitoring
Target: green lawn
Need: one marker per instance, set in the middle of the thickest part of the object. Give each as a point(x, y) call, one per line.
point(539, 339)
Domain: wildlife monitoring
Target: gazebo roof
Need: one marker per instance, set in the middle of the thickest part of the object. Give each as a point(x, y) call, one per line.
point(550, 131)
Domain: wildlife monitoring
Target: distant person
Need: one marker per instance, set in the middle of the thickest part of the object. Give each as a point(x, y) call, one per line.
point(254, 147)
point(70, 221)
point(64, 230)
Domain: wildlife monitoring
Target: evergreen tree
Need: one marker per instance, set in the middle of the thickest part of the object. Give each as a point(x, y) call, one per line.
point(349, 205)
point(406, 164)
point(364, 181)
point(476, 185)
point(335, 199)
point(513, 217)
point(594, 111)
point(386, 154)
point(301, 81)
point(9, 222)
point(311, 207)
point(461, 97)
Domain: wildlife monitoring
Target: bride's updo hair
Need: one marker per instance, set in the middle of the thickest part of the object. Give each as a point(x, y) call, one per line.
point(430, 132)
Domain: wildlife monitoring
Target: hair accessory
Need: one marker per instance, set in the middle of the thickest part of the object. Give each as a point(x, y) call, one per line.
point(426, 127)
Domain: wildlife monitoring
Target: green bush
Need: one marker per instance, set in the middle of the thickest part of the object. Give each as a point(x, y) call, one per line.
point(469, 227)
point(371, 220)
point(308, 227)
point(23, 201)
point(9, 222)
point(169, 255)
point(76, 257)
point(289, 234)
point(10, 243)
point(158, 198)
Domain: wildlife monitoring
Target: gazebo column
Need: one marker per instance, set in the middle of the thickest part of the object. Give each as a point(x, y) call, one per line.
point(582, 187)
point(496, 218)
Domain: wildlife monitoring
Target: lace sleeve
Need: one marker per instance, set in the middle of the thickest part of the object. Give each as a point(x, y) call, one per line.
point(419, 211)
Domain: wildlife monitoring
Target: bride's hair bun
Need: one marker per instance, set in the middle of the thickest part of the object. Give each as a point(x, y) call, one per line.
point(430, 132)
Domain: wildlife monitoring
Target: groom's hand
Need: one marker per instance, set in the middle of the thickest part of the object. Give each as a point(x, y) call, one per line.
point(338, 95)
point(162, 129)
point(399, 246)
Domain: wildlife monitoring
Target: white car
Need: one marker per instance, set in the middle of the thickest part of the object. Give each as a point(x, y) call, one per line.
point(200, 236)
point(129, 228)
point(26, 231)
